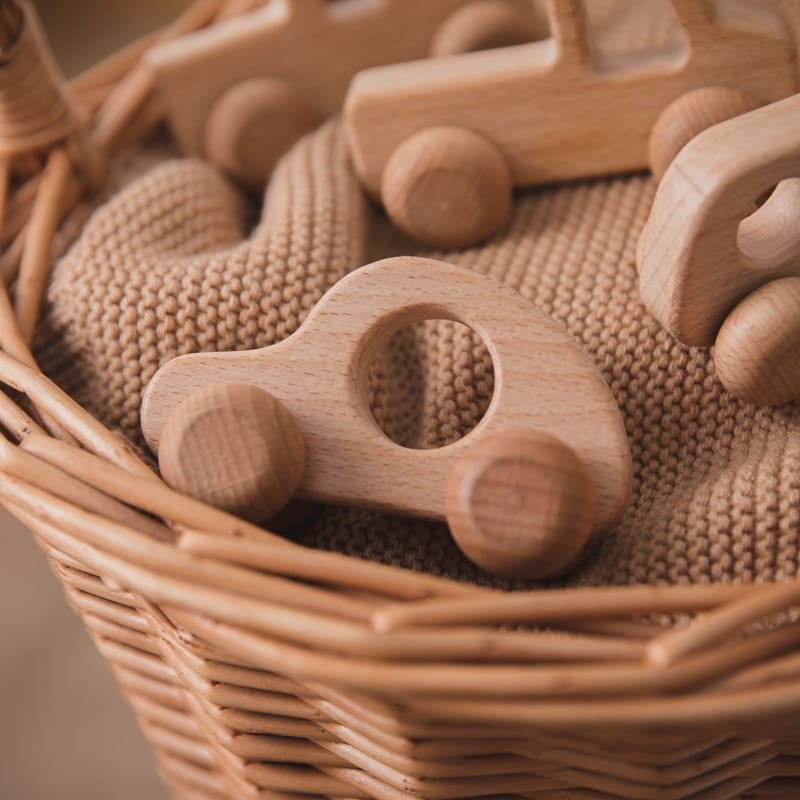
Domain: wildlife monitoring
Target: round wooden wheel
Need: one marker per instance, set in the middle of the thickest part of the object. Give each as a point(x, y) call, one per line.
point(253, 124)
point(447, 187)
point(757, 351)
point(521, 504)
point(234, 446)
point(486, 24)
point(687, 116)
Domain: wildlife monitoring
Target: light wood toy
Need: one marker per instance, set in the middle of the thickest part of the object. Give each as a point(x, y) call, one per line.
point(244, 90)
point(442, 144)
point(547, 467)
point(717, 269)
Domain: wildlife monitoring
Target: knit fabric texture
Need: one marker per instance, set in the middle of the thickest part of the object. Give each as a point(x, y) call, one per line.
point(167, 266)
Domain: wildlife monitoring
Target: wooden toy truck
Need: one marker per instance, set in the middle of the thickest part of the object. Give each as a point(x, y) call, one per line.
point(442, 143)
point(242, 91)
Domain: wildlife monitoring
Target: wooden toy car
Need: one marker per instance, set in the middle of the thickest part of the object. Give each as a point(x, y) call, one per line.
point(548, 466)
point(717, 268)
point(242, 91)
point(442, 143)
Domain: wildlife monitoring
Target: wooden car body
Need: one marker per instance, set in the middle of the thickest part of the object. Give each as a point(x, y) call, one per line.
point(555, 110)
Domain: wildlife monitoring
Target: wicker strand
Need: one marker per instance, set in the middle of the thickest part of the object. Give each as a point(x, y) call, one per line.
point(11, 257)
point(18, 209)
point(15, 420)
point(39, 473)
point(423, 682)
point(5, 182)
point(223, 533)
point(57, 188)
point(154, 496)
point(330, 568)
point(11, 340)
point(715, 626)
point(57, 404)
point(734, 709)
point(82, 534)
point(559, 604)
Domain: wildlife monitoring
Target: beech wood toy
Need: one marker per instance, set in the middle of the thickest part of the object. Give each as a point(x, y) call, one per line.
point(548, 466)
point(715, 268)
point(244, 90)
point(251, 445)
point(548, 111)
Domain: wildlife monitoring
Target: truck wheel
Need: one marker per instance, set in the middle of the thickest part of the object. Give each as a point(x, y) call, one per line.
point(687, 116)
point(521, 504)
point(447, 187)
point(253, 124)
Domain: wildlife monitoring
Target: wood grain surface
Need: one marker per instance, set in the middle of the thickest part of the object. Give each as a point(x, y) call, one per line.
point(521, 504)
point(706, 245)
point(553, 110)
point(543, 381)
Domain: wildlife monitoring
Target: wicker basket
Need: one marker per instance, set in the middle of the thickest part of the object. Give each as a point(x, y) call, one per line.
point(258, 668)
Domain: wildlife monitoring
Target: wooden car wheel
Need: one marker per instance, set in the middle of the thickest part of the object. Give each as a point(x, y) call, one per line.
point(253, 124)
point(521, 504)
point(447, 187)
point(757, 350)
point(234, 446)
point(689, 115)
point(486, 24)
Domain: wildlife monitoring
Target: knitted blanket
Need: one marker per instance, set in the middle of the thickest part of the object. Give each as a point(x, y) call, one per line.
point(173, 264)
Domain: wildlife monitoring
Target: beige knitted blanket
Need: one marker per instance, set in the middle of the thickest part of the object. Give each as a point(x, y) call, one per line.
point(169, 266)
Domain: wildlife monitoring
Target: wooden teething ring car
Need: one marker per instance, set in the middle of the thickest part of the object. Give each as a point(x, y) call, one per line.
point(442, 143)
point(548, 465)
point(716, 269)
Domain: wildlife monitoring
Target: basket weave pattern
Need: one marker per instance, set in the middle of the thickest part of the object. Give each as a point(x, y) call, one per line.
point(260, 668)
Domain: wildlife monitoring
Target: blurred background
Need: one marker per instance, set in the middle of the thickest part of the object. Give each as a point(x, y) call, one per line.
point(67, 733)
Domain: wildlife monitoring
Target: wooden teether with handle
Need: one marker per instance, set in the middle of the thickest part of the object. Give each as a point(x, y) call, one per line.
point(543, 382)
point(707, 247)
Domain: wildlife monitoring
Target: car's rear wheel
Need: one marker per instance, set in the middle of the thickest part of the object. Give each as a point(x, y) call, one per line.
point(521, 504)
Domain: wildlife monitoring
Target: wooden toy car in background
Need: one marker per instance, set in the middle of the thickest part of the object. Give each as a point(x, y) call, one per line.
point(442, 143)
point(715, 268)
point(547, 467)
point(244, 90)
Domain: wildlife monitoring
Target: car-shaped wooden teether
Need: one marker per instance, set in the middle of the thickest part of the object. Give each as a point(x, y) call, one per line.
point(442, 143)
point(548, 466)
point(242, 91)
point(716, 268)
